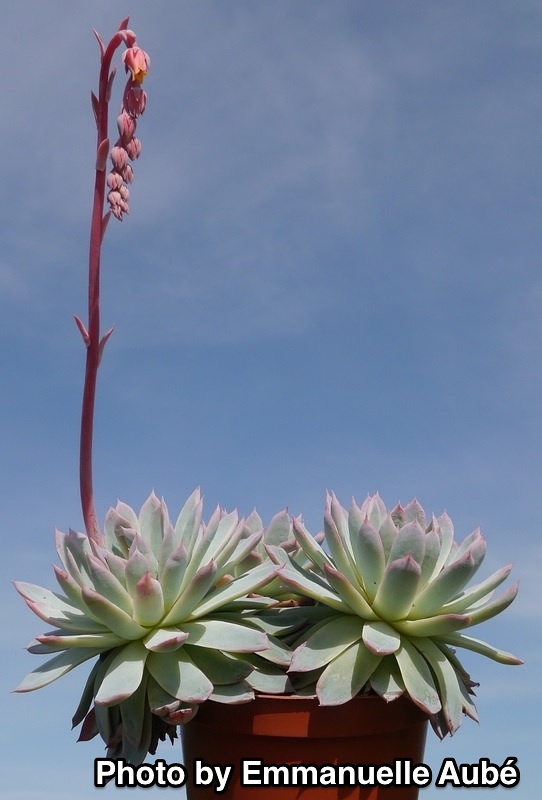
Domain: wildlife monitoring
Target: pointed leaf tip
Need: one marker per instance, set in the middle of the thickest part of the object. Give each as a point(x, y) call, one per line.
point(95, 106)
point(103, 342)
point(105, 221)
point(100, 42)
point(82, 330)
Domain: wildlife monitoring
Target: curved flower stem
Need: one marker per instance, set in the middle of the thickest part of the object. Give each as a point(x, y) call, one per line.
point(91, 335)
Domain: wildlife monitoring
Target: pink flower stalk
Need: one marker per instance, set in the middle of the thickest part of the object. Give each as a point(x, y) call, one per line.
point(127, 148)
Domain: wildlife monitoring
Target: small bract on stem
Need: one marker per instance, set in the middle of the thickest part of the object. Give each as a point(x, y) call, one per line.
point(127, 148)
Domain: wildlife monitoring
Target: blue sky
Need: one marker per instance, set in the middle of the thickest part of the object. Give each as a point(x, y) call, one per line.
point(330, 279)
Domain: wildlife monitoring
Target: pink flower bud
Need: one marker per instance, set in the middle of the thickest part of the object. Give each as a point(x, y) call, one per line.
point(134, 99)
point(119, 156)
point(137, 62)
point(126, 125)
point(133, 149)
point(124, 193)
point(127, 174)
point(114, 180)
point(117, 204)
point(114, 198)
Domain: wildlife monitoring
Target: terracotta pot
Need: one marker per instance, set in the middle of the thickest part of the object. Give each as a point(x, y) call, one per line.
point(293, 730)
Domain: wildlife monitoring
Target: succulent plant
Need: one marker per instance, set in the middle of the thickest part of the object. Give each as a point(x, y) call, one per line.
point(396, 587)
point(162, 608)
point(179, 614)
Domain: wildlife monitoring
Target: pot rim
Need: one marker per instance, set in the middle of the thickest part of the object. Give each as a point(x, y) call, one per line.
point(301, 716)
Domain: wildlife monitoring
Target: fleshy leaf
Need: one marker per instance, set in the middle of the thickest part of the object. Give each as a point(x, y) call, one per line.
point(342, 558)
point(112, 616)
point(328, 641)
point(279, 529)
point(396, 593)
point(148, 601)
point(430, 557)
point(448, 684)
point(108, 585)
point(189, 520)
point(220, 668)
point(172, 574)
point(268, 679)
point(346, 675)
point(368, 552)
point(59, 640)
point(152, 519)
point(374, 509)
point(56, 667)
point(165, 640)
point(388, 534)
point(483, 648)
point(309, 545)
point(443, 588)
point(178, 675)
point(194, 592)
point(380, 638)
point(136, 722)
point(87, 696)
point(233, 694)
point(445, 530)
point(247, 583)
point(496, 607)
point(352, 595)
point(222, 635)
point(417, 678)
point(410, 540)
point(439, 625)
point(123, 676)
point(386, 680)
point(473, 594)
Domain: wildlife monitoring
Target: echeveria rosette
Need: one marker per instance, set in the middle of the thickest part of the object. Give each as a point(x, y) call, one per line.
point(162, 608)
point(397, 591)
point(279, 533)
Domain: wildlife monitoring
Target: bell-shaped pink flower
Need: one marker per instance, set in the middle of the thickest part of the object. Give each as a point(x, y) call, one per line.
point(133, 148)
point(119, 156)
point(127, 174)
point(118, 204)
point(114, 181)
point(135, 99)
point(126, 125)
point(137, 62)
point(114, 199)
